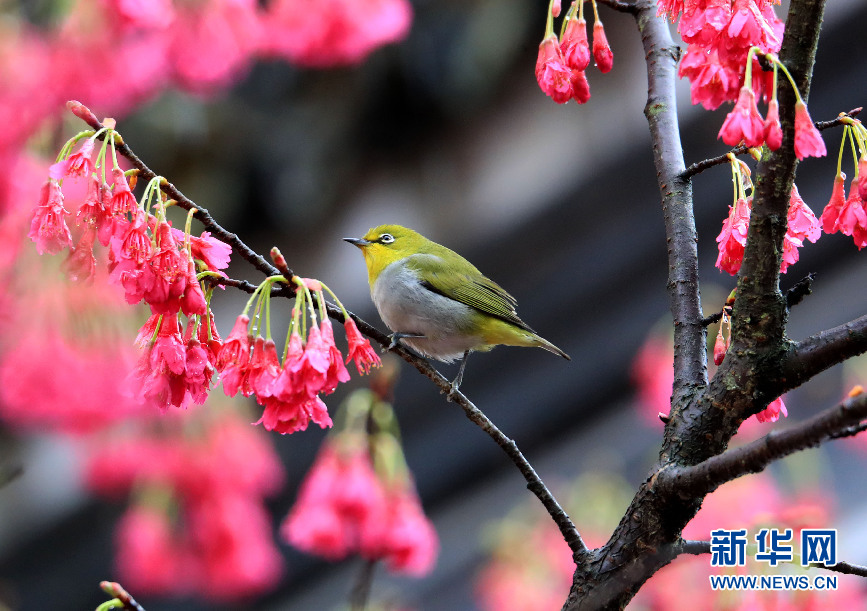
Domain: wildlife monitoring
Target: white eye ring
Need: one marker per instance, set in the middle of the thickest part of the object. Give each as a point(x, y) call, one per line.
point(386, 238)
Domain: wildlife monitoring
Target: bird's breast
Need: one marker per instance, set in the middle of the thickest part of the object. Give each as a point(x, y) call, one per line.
point(407, 306)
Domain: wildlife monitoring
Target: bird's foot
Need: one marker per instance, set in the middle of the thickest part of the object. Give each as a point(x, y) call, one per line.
point(456, 383)
point(396, 337)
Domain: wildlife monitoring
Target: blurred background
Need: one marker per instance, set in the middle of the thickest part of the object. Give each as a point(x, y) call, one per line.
point(447, 132)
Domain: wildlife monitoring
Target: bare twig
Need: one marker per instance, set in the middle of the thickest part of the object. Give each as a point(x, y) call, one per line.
point(845, 568)
point(703, 478)
point(534, 482)
point(695, 548)
point(361, 589)
point(823, 350)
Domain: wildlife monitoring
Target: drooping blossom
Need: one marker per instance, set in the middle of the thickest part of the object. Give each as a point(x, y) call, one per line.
point(862, 178)
point(552, 73)
point(234, 357)
point(831, 213)
point(575, 45)
point(48, 229)
point(744, 122)
point(808, 140)
point(323, 34)
point(192, 482)
point(772, 412)
point(213, 252)
point(772, 130)
point(403, 536)
point(602, 54)
point(339, 495)
point(360, 349)
point(580, 87)
point(719, 35)
point(801, 225)
point(733, 237)
point(149, 557)
point(76, 165)
point(80, 265)
point(214, 42)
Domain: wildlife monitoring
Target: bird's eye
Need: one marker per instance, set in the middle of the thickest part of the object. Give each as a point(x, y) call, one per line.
point(386, 238)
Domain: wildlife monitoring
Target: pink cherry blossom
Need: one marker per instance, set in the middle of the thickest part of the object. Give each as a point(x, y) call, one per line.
point(733, 238)
point(552, 73)
point(831, 213)
point(773, 131)
point(575, 45)
point(48, 229)
point(744, 122)
point(808, 140)
point(601, 50)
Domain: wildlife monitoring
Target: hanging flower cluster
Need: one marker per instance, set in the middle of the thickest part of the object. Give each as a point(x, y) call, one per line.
point(719, 35)
point(563, 60)
point(311, 362)
point(189, 485)
point(745, 124)
point(148, 259)
point(323, 33)
point(847, 214)
point(359, 497)
point(802, 224)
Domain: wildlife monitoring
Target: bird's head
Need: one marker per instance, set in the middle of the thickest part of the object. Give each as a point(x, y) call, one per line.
point(386, 244)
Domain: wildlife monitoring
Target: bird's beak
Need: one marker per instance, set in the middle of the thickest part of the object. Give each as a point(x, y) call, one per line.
point(360, 242)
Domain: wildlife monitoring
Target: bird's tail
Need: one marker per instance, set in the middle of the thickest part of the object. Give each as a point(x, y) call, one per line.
point(544, 343)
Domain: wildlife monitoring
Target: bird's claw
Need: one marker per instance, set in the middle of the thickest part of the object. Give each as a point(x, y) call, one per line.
point(395, 339)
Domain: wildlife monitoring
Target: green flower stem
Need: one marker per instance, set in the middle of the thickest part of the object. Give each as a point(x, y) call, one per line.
point(773, 58)
point(549, 24)
point(339, 304)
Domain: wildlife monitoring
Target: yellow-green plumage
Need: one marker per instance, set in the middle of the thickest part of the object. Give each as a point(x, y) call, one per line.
point(423, 288)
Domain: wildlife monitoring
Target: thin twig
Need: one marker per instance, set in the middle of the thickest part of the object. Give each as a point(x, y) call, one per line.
point(696, 548)
point(534, 482)
point(361, 589)
point(844, 567)
point(794, 296)
point(753, 457)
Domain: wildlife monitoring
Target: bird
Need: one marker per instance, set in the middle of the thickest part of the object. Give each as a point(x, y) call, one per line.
point(438, 303)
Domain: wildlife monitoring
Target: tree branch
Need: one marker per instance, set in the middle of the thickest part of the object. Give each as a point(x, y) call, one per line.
point(534, 482)
point(759, 311)
point(823, 350)
point(845, 568)
point(705, 477)
point(695, 548)
point(662, 55)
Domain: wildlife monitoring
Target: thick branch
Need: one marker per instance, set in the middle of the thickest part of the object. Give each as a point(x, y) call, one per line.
point(759, 311)
point(703, 478)
point(823, 350)
point(662, 55)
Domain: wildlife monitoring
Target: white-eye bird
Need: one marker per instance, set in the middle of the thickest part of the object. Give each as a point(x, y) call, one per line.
point(437, 302)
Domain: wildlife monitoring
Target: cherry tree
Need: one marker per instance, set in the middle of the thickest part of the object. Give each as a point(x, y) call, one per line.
point(360, 497)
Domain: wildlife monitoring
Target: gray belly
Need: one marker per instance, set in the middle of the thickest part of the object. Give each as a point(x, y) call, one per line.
point(408, 307)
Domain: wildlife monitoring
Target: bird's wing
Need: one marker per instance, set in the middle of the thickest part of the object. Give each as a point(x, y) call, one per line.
point(469, 286)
